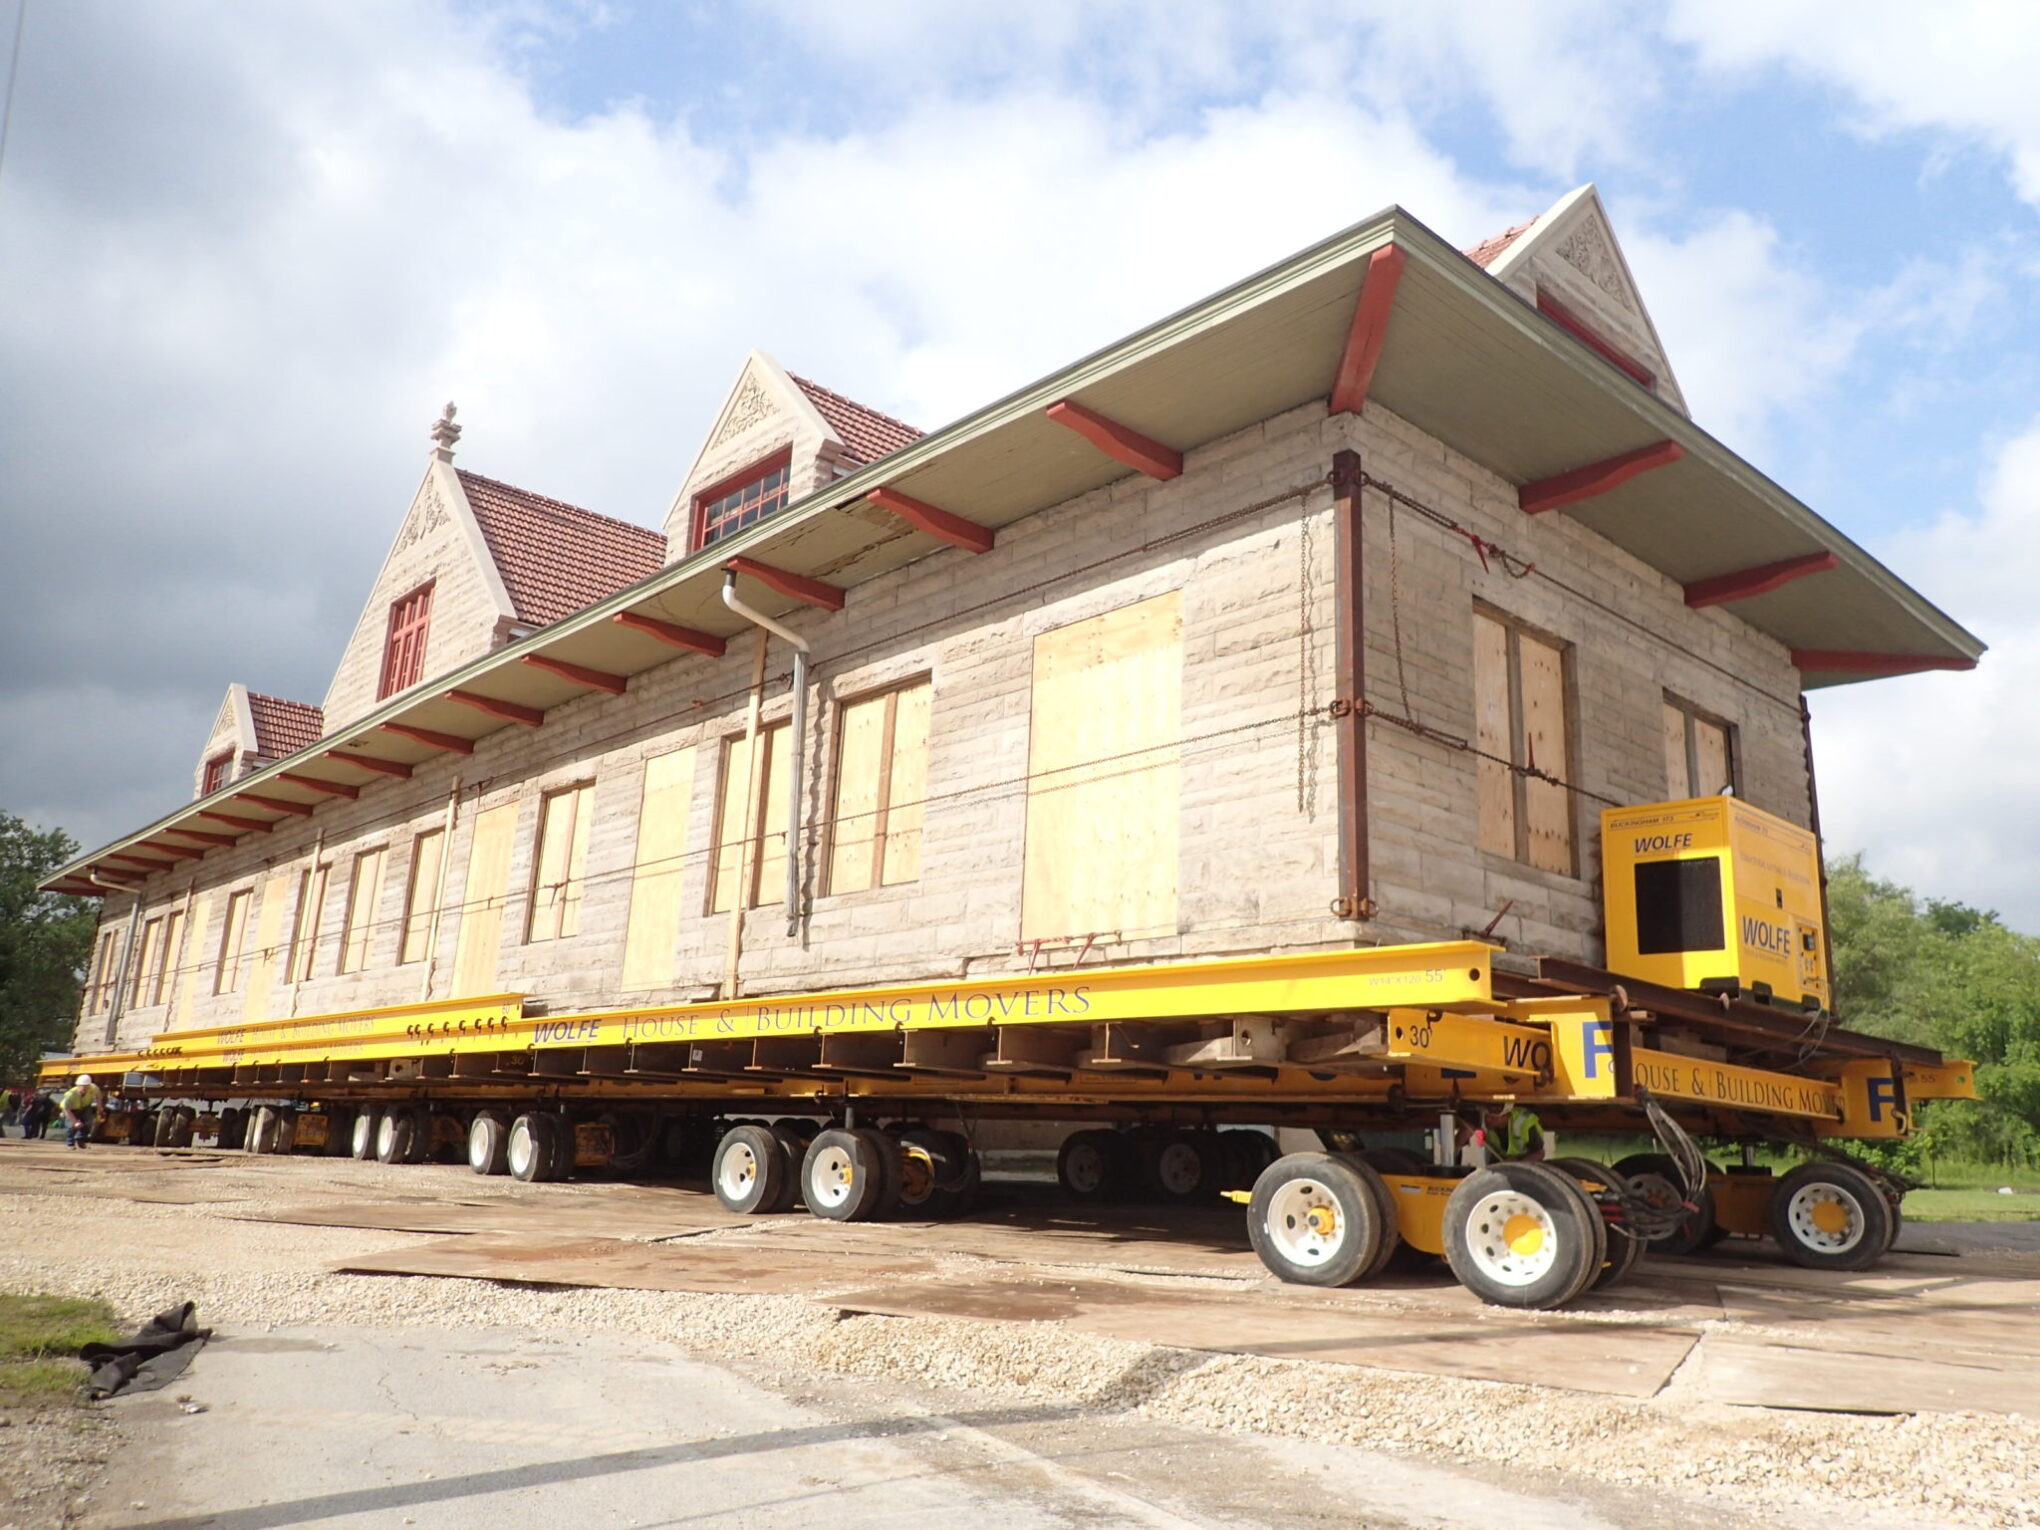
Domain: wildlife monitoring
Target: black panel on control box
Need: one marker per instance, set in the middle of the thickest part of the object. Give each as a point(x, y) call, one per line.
point(1678, 906)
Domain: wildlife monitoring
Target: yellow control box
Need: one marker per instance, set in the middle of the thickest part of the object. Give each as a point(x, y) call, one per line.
point(1713, 893)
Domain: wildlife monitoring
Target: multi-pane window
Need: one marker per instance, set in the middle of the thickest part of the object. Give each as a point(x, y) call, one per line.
point(233, 937)
point(565, 820)
point(738, 502)
point(304, 930)
point(216, 770)
point(881, 779)
point(404, 649)
point(148, 971)
point(362, 893)
point(1699, 752)
point(750, 821)
point(421, 897)
point(1523, 731)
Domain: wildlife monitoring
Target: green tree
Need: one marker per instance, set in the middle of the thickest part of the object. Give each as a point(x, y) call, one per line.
point(45, 939)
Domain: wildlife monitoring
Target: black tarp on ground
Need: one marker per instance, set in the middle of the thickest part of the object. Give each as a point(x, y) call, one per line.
point(155, 1356)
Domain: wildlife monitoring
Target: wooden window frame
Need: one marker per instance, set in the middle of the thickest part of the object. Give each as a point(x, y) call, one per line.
point(1731, 747)
point(751, 857)
point(218, 771)
point(403, 660)
point(302, 954)
point(357, 926)
point(1566, 770)
point(780, 461)
point(233, 940)
point(148, 953)
point(164, 985)
point(96, 991)
point(882, 813)
point(566, 907)
point(412, 911)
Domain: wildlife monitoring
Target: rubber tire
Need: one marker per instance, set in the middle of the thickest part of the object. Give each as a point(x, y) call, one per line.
point(167, 1121)
point(793, 1144)
point(262, 1130)
point(1699, 1230)
point(525, 1148)
point(636, 1135)
point(393, 1135)
point(1114, 1164)
point(339, 1132)
point(1561, 1200)
point(141, 1129)
point(361, 1140)
point(1179, 1149)
point(1856, 1185)
point(1623, 1250)
point(1400, 1258)
point(422, 1135)
point(764, 1187)
point(233, 1128)
point(489, 1143)
point(1346, 1183)
point(958, 1195)
point(869, 1158)
point(921, 1189)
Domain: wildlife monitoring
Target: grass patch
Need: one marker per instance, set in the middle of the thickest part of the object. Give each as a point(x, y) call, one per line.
point(1971, 1206)
point(39, 1341)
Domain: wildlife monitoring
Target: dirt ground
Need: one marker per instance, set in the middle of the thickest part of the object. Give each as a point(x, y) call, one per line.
point(1670, 1413)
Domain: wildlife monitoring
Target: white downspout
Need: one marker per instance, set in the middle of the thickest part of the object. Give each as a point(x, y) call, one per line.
point(798, 729)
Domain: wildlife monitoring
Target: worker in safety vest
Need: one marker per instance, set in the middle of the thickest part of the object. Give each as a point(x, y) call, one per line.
point(81, 1104)
point(1510, 1132)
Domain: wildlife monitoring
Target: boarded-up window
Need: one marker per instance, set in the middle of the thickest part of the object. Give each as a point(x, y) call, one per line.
point(304, 930)
point(881, 780)
point(1103, 775)
point(1522, 723)
point(233, 936)
point(100, 990)
point(421, 897)
point(565, 819)
point(1699, 753)
point(750, 822)
point(480, 944)
point(163, 981)
point(362, 894)
point(404, 647)
point(649, 956)
point(148, 965)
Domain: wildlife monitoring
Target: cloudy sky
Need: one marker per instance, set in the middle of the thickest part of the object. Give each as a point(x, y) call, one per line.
point(246, 252)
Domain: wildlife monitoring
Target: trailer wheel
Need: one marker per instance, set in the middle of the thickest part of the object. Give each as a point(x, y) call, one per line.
point(396, 1135)
point(1624, 1247)
point(1185, 1167)
point(1656, 1178)
point(233, 1123)
point(339, 1131)
point(556, 1147)
point(1095, 1165)
point(1315, 1220)
point(488, 1142)
point(636, 1135)
point(1830, 1216)
point(933, 1167)
point(1242, 1155)
point(844, 1175)
point(142, 1129)
point(1522, 1235)
point(261, 1136)
point(525, 1153)
point(367, 1129)
point(1396, 1257)
point(750, 1170)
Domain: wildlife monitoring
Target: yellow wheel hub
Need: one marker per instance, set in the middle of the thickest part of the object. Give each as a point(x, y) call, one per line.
point(1322, 1220)
point(1831, 1217)
point(1524, 1235)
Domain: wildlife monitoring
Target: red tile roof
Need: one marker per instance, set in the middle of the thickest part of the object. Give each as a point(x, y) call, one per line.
point(1485, 253)
point(284, 727)
point(866, 434)
point(556, 558)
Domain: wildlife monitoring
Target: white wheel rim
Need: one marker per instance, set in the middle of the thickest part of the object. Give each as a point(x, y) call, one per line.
point(1180, 1168)
point(478, 1145)
point(1512, 1240)
point(1305, 1224)
point(364, 1134)
point(833, 1178)
point(522, 1148)
point(385, 1136)
point(1817, 1204)
point(1085, 1167)
point(738, 1172)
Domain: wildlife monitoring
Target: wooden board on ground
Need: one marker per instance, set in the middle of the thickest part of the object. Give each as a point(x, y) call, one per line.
point(678, 1216)
point(1902, 1328)
point(1622, 1360)
point(1757, 1373)
point(718, 1268)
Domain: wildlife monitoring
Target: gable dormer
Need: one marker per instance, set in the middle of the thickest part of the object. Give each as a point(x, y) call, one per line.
point(475, 564)
point(777, 439)
point(249, 731)
point(1568, 265)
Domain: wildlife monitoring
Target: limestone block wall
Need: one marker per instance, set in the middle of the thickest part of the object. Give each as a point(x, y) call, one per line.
point(1245, 536)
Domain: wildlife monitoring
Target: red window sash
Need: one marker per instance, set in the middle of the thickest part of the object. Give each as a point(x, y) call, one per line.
point(404, 650)
point(779, 460)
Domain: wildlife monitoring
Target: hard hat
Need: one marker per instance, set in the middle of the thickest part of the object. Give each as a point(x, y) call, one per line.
point(84, 1078)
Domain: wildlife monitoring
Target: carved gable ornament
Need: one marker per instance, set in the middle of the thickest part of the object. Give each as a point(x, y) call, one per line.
point(1585, 247)
point(751, 405)
point(429, 517)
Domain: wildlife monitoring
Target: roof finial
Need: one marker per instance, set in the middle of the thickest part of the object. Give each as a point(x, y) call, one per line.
point(445, 433)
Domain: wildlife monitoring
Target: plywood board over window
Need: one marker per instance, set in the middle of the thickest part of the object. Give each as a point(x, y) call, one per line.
point(363, 892)
point(1699, 752)
point(881, 781)
point(147, 964)
point(1523, 724)
point(266, 957)
point(164, 980)
point(650, 942)
point(421, 895)
point(560, 868)
point(750, 820)
point(1104, 775)
point(187, 991)
point(304, 934)
point(233, 937)
point(487, 890)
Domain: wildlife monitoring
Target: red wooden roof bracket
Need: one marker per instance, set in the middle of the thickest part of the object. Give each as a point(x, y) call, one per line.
point(219, 840)
point(396, 769)
point(1370, 330)
point(921, 515)
point(1569, 488)
point(672, 634)
point(276, 804)
point(258, 825)
point(580, 674)
point(183, 853)
point(144, 862)
point(1748, 582)
point(509, 711)
point(1874, 665)
point(793, 586)
point(1118, 441)
point(450, 742)
point(330, 788)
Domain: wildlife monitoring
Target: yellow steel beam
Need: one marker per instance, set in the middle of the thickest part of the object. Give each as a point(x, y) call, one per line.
point(1476, 1043)
point(1729, 1086)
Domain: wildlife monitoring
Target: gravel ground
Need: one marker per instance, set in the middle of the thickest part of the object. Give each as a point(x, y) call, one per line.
point(1935, 1469)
